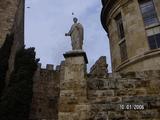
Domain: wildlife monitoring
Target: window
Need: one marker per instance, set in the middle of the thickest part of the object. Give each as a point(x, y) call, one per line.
point(120, 28)
point(123, 51)
point(148, 12)
point(154, 41)
point(122, 44)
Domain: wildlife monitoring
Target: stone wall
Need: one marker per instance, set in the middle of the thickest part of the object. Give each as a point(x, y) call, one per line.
point(8, 11)
point(100, 68)
point(134, 96)
point(12, 22)
point(16, 27)
point(45, 94)
point(7, 14)
point(68, 94)
point(120, 96)
point(135, 64)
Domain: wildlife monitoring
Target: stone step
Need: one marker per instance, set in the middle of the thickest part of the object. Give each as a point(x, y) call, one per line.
point(112, 112)
point(103, 84)
point(113, 103)
point(103, 94)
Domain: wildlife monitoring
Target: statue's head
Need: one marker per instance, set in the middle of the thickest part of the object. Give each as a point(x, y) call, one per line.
point(75, 20)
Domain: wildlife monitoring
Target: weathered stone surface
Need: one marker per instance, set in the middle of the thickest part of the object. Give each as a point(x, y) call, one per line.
point(73, 87)
point(100, 68)
point(102, 99)
point(45, 94)
point(9, 16)
point(101, 84)
point(149, 114)
point(140, 56)
point(116, 116)
point(12, 22)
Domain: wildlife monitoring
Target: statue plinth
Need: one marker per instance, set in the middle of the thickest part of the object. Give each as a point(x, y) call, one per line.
point(76, 53)
point(73, 87)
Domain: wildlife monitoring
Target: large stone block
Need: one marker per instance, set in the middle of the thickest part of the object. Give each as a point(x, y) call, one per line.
point(73, 87)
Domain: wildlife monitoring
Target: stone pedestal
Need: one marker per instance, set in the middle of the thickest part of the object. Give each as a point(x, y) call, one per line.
point(73, 87)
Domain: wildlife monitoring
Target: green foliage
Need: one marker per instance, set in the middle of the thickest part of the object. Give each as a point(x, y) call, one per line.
point(16, 99)
point(4, 57)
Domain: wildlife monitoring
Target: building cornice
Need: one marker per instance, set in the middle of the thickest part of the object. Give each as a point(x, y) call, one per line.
point(145, 55)
point(107, 6)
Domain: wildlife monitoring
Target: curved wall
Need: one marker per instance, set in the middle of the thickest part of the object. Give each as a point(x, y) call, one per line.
point(139, 55)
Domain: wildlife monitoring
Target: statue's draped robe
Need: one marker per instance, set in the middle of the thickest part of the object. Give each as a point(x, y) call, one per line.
point(76, 33)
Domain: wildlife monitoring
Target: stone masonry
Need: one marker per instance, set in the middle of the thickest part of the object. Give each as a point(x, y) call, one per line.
point(12, 22)
point(134, 96)
point(69, 93)
point(11, 13)
point(45, 94)
point(140, 57)
point(100, 68)
point(73, 87)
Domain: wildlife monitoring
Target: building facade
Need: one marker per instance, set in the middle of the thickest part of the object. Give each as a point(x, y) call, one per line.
point(11, 17)
point(133, 28)
point(12, 24)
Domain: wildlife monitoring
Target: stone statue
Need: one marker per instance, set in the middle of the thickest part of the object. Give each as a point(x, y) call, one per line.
point(76, 33)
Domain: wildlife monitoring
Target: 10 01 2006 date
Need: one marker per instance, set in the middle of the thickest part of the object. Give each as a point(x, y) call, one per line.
point(131, 107)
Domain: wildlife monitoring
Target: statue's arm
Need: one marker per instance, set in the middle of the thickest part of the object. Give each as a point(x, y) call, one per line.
point(66, 34)
point(70, 31)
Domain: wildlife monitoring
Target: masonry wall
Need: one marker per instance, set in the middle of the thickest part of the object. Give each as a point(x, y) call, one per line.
point(151, 61)
point(45, 94)
point(15, 13)
point(127, 96)
point(8, 11)
point(100, 68)
point(139, 95)
point(118, 96)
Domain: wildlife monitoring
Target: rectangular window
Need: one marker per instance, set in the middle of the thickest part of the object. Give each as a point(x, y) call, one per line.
point(120, 28)
point(121, 34)
point(148, 12)
point(123, 51)
point(154, 41)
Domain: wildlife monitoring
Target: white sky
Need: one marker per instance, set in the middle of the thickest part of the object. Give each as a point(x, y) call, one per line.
point(46, 22)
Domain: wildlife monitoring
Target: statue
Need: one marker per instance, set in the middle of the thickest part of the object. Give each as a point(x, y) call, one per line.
point(76, 33)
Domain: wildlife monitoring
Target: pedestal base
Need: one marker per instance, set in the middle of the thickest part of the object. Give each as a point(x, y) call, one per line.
point(76, 53)
point(73, 87)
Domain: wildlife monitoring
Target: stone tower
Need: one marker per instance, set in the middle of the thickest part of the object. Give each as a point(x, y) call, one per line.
point(133, 28)
point(11, 17)
point(12, 23)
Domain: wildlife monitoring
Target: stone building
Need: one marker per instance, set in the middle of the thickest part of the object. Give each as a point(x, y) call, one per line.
point(12, 23)
point(131, 92)
point(133, 28)
point(11, 17)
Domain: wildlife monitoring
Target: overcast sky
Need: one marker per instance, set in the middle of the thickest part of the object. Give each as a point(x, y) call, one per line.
point(46, 22)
